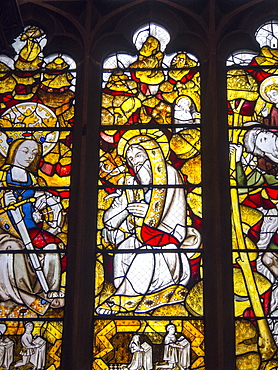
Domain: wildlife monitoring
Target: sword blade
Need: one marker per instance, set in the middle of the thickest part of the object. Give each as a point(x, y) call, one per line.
point(16, 215)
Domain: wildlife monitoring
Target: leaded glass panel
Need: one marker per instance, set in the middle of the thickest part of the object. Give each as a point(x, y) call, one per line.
point(146, 343)
point(149, 221)
point(36, 120)
point(252, 118)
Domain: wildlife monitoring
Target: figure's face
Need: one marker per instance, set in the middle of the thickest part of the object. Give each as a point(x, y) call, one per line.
point(171, 330)
point(149, 46)
point(26, 153)
point(29, 328)
point(182, 60)
point(267, 142)
point(273, 96)
point(179, 61)
point(182, 109)
point(138, 160)
point(183, 104)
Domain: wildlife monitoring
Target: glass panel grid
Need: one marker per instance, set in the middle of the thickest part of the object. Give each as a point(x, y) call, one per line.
point(252, 93)
point(149, 222)
point(36, 122)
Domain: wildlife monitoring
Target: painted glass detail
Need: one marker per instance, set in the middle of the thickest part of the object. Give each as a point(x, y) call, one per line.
point(149, 222)
point(252, 117)
point(36, 120)
point(168, 344)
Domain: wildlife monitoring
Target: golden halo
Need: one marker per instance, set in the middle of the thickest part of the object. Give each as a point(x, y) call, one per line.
point(28, 115)
point(272, 80)
point(136, 136)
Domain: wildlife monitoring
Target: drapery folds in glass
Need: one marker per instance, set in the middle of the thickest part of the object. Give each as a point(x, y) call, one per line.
point(36, 121)
point(252, 90)
point(149, 222)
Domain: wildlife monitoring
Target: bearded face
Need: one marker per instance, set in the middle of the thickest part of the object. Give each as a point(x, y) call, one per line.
point(138, 160)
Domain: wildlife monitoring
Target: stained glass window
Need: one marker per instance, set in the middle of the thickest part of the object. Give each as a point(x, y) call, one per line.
point(252, 82)
point(148, 274)
point(36, 120)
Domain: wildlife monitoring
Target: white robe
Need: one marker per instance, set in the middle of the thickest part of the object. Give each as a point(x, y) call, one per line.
point(175, 355)
point(145, 273)
point(141, 356)
point(18, 280)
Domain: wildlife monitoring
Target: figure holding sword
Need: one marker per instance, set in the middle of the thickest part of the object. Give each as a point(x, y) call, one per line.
point(30, 278)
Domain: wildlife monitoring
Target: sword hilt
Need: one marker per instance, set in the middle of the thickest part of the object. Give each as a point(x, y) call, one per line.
point(13, 206)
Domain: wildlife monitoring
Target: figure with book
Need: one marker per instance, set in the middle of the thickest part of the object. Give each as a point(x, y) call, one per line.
point(141, 354)
point(176, 351)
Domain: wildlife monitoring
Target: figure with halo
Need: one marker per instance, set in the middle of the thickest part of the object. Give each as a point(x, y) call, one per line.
point(145, 217)
point(30, 279)
point(269, 92)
